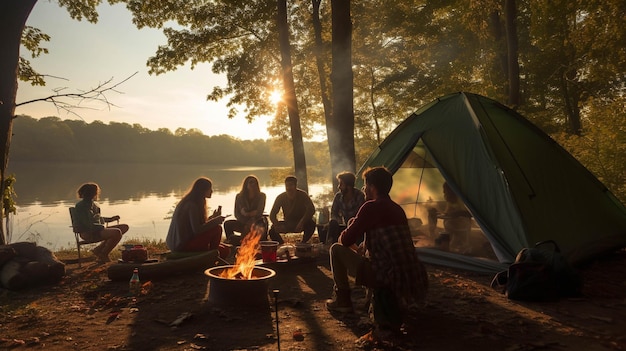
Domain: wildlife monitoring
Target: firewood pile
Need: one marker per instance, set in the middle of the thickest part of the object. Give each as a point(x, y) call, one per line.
point(24, 265)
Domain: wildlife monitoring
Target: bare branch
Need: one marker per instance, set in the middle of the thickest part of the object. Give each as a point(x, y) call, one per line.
point(70, 101)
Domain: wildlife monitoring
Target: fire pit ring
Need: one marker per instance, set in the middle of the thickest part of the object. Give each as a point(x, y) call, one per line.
point(230, 292)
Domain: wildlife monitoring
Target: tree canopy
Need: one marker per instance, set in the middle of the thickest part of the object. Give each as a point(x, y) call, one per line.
point(51, 139)
point(571, 57)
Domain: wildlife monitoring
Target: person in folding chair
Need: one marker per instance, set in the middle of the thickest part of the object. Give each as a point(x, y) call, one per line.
point(91, 224)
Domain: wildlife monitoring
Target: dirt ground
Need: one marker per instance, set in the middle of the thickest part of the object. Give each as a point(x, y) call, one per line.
point(87, 311)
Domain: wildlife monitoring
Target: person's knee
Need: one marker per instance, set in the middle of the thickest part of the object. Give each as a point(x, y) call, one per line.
point(117, 235)
point(123, 228)
point(310, 227)
point(337, 249)
point(229, 226)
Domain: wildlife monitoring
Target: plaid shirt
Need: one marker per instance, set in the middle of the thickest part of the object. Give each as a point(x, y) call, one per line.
point(390, 248)
point(340, 209)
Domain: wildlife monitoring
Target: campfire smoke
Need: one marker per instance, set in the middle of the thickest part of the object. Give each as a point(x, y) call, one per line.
point(246, 256)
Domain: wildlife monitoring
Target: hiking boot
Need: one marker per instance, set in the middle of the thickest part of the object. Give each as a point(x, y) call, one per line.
point(341, 301)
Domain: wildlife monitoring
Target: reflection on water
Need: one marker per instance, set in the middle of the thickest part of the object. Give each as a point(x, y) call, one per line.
point(48, 184)
point(143, 195)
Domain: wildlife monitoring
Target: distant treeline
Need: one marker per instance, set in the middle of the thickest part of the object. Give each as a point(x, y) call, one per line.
point(52, 139)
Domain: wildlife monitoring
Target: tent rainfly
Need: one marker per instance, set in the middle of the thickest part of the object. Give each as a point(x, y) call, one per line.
point(517, 182)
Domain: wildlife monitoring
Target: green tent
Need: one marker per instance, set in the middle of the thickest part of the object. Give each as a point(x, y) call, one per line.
point(520, 186)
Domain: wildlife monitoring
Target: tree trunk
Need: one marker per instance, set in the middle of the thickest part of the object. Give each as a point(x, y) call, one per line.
point(341, 137)
point(572, 111)
point(13, 15)
point(510, 13)
point(324, 89)
point(496, 29)
point(290, 97)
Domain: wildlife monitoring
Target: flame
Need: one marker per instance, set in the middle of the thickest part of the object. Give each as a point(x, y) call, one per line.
point(246, 255)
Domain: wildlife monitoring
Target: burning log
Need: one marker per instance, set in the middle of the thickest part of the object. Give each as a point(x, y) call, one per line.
point(242, 284)
point(245, 256)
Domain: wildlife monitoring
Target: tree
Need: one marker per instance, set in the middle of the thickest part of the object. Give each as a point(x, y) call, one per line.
point(341, 132)
point(510, 12)
point(13, 15)
point(290, 96)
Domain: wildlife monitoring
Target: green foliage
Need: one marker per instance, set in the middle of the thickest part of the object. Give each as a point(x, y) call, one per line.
point(9, 195)
point(572, 56)
point(153, 246)
point(602, 148)
point(32, 39)
point(51, 139)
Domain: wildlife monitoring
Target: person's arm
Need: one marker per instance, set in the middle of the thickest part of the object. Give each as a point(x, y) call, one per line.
point(85, 221)
point(111, 219)
point(213, 222)
point(359, 224)
point(275, 208)
point(197, 221)
point(359, 200)
point(260, 206)
point(309, 210)
point(239, 215)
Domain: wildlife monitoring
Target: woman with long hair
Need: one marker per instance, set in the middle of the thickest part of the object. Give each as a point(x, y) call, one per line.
point(92, 225)
point(249, 207)
point(191, 228)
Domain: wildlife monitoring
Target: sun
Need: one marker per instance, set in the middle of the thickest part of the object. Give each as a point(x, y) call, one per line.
point(275, 97)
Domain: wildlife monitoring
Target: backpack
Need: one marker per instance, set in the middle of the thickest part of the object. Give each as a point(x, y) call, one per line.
point(540, 273)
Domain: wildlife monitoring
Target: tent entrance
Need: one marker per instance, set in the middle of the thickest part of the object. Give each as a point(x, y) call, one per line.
point(418, 189)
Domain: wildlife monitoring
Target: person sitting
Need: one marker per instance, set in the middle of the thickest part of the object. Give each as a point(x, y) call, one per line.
point(457, 221)
point(91, 224)
point(298, 210)
point(386, 262)
point(249, 207)
point(191, 229)
point(346, 203)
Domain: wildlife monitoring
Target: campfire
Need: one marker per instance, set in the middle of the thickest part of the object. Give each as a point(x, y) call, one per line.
point(246, 256)
point(242, 284)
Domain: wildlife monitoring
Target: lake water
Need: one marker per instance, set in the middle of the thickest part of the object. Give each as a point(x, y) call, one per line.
point(143, 195)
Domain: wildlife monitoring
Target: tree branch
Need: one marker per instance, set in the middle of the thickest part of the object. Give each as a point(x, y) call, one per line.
point(76, 98)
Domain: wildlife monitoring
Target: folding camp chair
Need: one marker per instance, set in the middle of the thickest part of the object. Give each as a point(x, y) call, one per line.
point(79, 241)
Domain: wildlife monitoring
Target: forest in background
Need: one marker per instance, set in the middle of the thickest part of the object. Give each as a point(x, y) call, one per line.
point(51, 139)
point(564, 61)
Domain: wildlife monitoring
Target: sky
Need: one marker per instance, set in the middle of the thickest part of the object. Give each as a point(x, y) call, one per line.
point(85, 55)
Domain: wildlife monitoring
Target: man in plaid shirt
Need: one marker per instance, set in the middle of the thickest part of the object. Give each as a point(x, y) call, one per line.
point(386, 262)
point(346, 204)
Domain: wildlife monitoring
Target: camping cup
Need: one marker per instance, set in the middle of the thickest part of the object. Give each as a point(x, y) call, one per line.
point(268, 250)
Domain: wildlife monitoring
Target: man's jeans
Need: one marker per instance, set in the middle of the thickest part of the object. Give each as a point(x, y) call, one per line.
point(344, 261)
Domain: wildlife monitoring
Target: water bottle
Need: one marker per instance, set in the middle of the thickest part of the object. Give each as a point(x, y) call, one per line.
point(134, 285)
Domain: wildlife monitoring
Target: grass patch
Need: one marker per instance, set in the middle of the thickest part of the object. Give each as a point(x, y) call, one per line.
point(152, 245)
